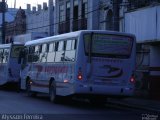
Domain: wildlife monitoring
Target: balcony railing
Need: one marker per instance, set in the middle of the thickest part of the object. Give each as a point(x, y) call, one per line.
point(79, 24)
point(64, 27)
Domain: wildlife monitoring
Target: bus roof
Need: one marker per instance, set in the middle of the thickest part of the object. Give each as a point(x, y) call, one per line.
point(5, 45)
point(9, 44)
point(54, 38)
point(71, 35)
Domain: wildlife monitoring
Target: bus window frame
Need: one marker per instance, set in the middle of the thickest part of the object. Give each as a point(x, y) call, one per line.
point(11, 52)
point(1, 55)
point(6, 56)
point(73, 48)
point(110, 55)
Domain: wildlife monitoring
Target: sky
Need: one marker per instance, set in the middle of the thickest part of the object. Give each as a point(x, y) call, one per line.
point(23, 3)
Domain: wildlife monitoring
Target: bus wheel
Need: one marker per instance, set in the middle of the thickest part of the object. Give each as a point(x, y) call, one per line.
point(52, 92)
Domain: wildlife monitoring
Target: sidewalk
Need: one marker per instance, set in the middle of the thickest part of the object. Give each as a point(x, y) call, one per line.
point(138, 103)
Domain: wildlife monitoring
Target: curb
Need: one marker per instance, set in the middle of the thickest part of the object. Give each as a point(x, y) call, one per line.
point(135, 106)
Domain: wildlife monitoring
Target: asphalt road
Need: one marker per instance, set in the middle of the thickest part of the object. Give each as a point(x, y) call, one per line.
point(19, 106)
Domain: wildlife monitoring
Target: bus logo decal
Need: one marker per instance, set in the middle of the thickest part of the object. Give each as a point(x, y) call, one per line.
point(110, 69)
point(116, 72)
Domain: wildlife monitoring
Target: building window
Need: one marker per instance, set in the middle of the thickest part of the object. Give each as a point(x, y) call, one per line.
point(84, 9)
point(75, 15)
point(84, 15)
point(109, 20)
point(75, 10)
point(67, 10)
point(61, 19)
point(67, 25)
point(61, 13)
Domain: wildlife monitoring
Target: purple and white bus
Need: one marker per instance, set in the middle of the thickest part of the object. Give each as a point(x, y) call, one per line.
point(9, 67)
point(87, 62)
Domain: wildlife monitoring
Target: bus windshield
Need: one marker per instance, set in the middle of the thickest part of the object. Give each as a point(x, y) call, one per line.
point(15, 50)
point(108, 45)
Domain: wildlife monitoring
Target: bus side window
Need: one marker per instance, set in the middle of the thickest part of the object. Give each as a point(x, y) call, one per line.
point(43, 54)
point(61, 46)
point(31, 54)
point(47, 48)
point(65, 45)
point(22, 56)
point(29, 57)
point(51, 47)
point(1, 55)
point(31, 49)
point(60, 53)
point(69, 45)
point(56, 46)
point(37, 51)
point(74, 44)
point(51, 52)
point(40, 48)
point(6, 54)
point(70, 51)
point(44, 48)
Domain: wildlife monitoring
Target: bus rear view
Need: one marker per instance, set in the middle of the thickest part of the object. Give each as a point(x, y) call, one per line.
point(108, 64)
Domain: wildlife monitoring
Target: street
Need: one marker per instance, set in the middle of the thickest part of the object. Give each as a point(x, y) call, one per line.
point(15, 105)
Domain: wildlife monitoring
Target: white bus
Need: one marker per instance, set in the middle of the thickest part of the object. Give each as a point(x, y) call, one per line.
point(9, 67)
point(88, 62)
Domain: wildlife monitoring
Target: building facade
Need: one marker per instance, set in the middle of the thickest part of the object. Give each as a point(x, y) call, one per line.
point(8, 18)
point(139, 17)
point(16, 27)
point(40, 19)
point(73, 15)
point(142, 18)
point(109, 14)
point(13, 11)
point(70, 15)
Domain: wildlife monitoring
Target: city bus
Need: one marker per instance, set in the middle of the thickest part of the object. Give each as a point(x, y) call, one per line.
point(91, 63)
point(9, 67)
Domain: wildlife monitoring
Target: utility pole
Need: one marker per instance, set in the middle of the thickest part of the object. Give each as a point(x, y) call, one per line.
point(3, 22)
point(3, 10)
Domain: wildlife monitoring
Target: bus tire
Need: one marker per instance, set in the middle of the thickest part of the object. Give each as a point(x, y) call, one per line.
point(52, 92)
